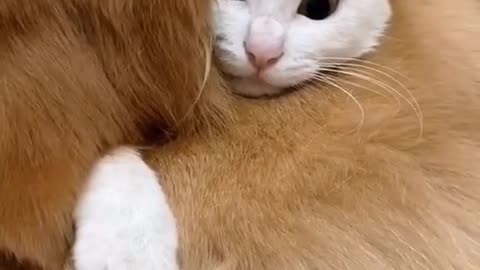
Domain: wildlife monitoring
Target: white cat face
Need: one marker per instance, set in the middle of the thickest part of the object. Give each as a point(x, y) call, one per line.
point(271, 45)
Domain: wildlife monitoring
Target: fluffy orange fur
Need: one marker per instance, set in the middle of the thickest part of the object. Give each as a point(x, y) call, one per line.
point(301, 182)
point(79, 77)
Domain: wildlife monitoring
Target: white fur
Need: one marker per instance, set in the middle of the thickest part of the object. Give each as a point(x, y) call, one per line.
point(354, 29)
point(123, 219)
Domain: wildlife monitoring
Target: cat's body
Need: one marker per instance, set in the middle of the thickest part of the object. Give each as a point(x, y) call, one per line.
point(301, 183)
point(350, 187)
point(315, 181)
point(79, 78)
point(274, 28)
point(294, 184)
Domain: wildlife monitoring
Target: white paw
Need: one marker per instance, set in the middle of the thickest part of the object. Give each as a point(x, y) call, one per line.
point(123, 219)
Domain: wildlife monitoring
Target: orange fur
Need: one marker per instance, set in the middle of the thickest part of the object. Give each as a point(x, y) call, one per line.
point(293, 184)
point(79, 77)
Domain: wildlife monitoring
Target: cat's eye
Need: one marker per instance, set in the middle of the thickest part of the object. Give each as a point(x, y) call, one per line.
point(317, 9)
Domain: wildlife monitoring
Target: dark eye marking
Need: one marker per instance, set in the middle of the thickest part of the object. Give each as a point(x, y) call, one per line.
point(317, 9)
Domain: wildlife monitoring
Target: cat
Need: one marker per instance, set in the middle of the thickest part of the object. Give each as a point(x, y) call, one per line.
point(268, 46)
point(79, 79)
point(345, 30)
point(308, 181)
point(293, 183)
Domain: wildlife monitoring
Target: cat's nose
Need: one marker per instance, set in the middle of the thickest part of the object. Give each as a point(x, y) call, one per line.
point(264, 44)
point(263, 56)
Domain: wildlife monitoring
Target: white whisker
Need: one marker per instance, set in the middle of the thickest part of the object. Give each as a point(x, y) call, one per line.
point(389, 77)
point(345, 81)
point(355, 100)
point(412, 102)
point(368, 77)
point(362, 62)
point(207, 69)
point(355, 70)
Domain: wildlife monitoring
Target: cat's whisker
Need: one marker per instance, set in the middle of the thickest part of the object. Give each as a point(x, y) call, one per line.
point(381, 72)
point(208, 65)
point(412, 101)
point(359, 86)
point(358, 76)
point(393, 92)
point(369, 76)
point(331, 82)
point(346, 60)
point(373, 65)
point(396, 81)
point(355, 74)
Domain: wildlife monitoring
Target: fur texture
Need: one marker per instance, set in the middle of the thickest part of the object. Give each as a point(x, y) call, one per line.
point(79, 77)
point(301, 182)
point(108, 200)
point(294, 184)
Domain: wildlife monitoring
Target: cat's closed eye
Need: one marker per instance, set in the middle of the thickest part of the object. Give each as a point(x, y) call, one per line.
point(317, 9)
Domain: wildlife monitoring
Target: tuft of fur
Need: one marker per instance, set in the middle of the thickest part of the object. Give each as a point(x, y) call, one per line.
point(79, 77)
point(306, 182)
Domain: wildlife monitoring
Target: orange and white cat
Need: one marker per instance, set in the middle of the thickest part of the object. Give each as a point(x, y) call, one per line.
point(372, 165)
point(319, 180)
point(268, 46)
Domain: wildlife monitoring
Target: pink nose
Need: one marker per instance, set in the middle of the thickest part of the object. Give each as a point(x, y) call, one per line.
point(264, 45)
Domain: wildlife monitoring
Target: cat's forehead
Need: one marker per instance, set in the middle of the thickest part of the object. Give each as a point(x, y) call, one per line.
point(282, 9)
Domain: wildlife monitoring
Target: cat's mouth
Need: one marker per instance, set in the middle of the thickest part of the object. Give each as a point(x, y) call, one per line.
point(255, 88)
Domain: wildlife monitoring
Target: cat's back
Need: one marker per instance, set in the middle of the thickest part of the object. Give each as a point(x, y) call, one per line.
point(317, 181)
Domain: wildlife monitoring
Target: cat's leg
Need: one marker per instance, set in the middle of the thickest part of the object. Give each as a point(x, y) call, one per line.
point(123, 219)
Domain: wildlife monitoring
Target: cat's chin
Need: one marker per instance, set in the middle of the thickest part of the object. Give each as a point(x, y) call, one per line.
point(252, 88)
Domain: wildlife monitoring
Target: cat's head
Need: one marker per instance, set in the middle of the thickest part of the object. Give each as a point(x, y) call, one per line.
point(267, 46)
